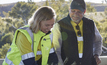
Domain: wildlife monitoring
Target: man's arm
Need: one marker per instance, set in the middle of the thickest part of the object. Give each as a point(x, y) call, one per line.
point(57, 41)
point(97, 46)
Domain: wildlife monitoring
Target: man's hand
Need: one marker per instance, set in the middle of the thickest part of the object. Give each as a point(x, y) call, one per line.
point(98, 60)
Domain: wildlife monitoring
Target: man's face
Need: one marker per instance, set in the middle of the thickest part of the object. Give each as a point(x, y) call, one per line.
point(45, 26)
point(76, 15)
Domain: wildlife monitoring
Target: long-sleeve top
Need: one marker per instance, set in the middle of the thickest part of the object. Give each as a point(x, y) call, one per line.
point(57, 40)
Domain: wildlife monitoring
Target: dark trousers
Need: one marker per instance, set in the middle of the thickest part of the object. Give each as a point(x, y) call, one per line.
point(52, 59)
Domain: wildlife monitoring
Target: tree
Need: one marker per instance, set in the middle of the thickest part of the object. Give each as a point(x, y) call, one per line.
point(61, 9)
point(105, 11)
point(90, 8)
point(70, 0)
point(52, 1)
point(60, 1)
point(47, 3)
point(2, 26)
point(8, 27)
point(30, 1)
point(5, 14)
point(3, 50)
point(23, 10)
point(7, 38)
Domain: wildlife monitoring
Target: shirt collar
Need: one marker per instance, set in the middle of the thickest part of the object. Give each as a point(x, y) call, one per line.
point(74, 24)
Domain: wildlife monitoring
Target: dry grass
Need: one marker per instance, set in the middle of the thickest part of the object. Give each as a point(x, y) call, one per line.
point(96, 15)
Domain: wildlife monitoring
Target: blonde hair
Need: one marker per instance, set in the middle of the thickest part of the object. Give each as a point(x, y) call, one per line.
point(42, 14)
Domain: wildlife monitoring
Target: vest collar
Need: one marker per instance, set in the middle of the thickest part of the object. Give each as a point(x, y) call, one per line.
point(42, 33)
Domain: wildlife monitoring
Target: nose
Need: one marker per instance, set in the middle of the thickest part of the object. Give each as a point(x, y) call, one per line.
point(76, 13)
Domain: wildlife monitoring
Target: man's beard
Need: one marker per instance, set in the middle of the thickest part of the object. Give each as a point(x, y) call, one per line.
point(76, 21)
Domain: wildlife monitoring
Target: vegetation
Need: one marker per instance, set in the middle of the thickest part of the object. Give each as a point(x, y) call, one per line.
point(22, 11)
point(4, 50)
point(90, 8)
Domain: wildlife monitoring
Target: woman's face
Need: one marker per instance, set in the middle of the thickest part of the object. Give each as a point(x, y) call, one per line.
point(45, 26)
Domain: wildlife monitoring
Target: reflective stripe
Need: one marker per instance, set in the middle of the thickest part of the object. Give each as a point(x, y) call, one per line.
point(80, 55)
point(51, 50)
point(21, 63)
point(74, 63)
point(9, 62)
point(9, 50)
point(40, 53)
point(80, 38)
point(28, 55)
point(32, 37)
point(30, 33)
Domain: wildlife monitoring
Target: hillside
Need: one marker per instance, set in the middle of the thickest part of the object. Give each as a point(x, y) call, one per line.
point(96, 15)
point(7, 7)
point(99, 6)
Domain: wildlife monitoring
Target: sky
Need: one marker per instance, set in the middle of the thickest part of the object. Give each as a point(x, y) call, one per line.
point(13, 1)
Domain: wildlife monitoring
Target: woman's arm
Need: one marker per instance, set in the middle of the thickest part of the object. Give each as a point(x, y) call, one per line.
point(24, 47)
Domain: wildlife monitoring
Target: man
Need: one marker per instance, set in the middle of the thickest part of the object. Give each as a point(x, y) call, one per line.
point(76, 38)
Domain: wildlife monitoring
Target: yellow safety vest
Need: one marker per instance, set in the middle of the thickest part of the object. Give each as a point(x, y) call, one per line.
point(14, 57)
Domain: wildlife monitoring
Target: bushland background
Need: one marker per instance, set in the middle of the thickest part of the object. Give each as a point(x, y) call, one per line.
point(15, 15)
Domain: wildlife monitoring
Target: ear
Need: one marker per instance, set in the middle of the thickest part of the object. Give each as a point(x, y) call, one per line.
point(84, 11)
point(69, 10)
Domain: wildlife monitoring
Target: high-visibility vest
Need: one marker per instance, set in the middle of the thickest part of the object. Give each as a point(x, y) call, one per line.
point(14, 57)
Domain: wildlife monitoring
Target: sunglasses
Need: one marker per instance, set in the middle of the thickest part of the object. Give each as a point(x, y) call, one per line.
point(78, 29)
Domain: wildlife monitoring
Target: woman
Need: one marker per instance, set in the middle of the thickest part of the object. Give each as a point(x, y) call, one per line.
point(32, 44)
